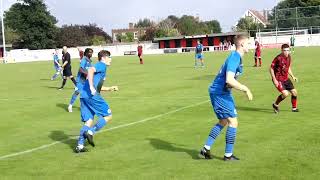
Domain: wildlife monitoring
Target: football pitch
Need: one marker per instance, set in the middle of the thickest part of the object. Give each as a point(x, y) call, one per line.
point(161, 118)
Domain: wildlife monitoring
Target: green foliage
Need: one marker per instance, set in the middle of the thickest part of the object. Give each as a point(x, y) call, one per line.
point(98, 40)
point(293, 13)
point(72, 36)
point(144, 23)
point(127, 37)
point(33, 23)
point(248, 24)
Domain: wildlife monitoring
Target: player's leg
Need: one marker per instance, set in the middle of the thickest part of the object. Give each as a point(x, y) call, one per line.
point(141, 60)
point(73, 80)
point(64, 81)
point(202, 61)
point(294, 100)
point(101, 108)
point(73, 99)
point(196, 61)
point(218, 103)
point(255, 59)
point(230, 139)
point(87, 117)
point(56, 74)
point(284, 94)
point(260, 61)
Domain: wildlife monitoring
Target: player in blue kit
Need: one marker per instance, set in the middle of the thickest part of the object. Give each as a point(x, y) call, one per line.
point(199, 55)
point(57, 65)
point(222, 100)
point(92, 102)
point(85, 64)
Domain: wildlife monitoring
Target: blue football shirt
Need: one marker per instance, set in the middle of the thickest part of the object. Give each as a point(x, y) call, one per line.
point(98, 80)
point(232, 64)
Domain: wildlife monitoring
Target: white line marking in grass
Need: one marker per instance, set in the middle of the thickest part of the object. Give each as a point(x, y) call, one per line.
point(110, 129)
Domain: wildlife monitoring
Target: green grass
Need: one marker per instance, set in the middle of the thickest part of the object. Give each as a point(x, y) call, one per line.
point(283, 146)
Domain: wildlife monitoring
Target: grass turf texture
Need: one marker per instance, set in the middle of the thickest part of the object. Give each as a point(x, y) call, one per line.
point(283, 146)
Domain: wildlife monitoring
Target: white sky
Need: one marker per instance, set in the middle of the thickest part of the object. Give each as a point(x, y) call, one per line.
point(118, 14)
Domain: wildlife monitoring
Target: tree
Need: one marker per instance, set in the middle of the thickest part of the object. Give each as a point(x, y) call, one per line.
point(10, 35)
point(72, 36)
point(98, 40)
point(127, 37)
point(33, 23)
point(149, 35)
point(188, 25)
point(93, 30)
point(144, 23)
point(293, 13)
point(248, 24)
point(213, 26)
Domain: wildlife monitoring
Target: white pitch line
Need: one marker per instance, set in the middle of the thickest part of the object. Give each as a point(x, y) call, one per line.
point(110, 129)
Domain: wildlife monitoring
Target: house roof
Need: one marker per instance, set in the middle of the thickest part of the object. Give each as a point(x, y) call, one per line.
point(259, 16)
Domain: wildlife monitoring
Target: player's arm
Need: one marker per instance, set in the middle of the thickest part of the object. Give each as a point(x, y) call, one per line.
point(273, 76)
point(57, 63)
point(112, 88)
point(232, 82)
point(91, 72)
point(291, 74)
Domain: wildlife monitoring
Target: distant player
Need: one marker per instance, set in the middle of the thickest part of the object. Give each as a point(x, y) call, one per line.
point(257, 54)
point(140, 53)
point(222, 100)
point(66, 66)
point(292, 41)
point(85, 64)
point(92, 102)
point(81, 53)
point(279, 70)
point(57, 65)
point(199, 55)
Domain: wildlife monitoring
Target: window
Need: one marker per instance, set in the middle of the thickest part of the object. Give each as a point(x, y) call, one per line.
point(135, 35)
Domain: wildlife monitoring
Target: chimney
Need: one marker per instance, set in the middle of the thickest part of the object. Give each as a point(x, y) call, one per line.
point(131, 25)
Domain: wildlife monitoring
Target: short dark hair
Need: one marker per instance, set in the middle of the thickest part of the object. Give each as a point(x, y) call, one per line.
point(87, 51)
point(285, 46)
point(103, 53)
point(238, 38)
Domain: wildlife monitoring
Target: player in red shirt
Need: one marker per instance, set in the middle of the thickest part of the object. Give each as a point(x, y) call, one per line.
point(257, 54)
point(279, 70)
point(140, 51)
point(81, 53)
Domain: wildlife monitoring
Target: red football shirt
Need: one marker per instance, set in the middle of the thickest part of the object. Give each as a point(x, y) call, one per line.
point(139, 49)
point(258, 47)
point(280, 66)
point(81, 54)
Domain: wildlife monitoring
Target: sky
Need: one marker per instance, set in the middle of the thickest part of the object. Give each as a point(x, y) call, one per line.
point(118, 14)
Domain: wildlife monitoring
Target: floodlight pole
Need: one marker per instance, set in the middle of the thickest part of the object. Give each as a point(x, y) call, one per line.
point(3, 36)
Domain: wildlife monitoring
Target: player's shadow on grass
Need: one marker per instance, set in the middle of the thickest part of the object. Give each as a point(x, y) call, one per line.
point(66, 139)
point(44, 79)
point(55, 87)
point(65, 106)
point(203, 78)
point(255, 109)
point(167, 146)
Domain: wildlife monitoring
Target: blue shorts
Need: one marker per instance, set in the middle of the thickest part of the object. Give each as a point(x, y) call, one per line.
point(199, 56)
point(92, 106)
point(223, 106)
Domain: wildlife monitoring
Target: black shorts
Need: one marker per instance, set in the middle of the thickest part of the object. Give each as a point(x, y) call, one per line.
point(285, 85)
point(292, 45)
point(67, 72)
